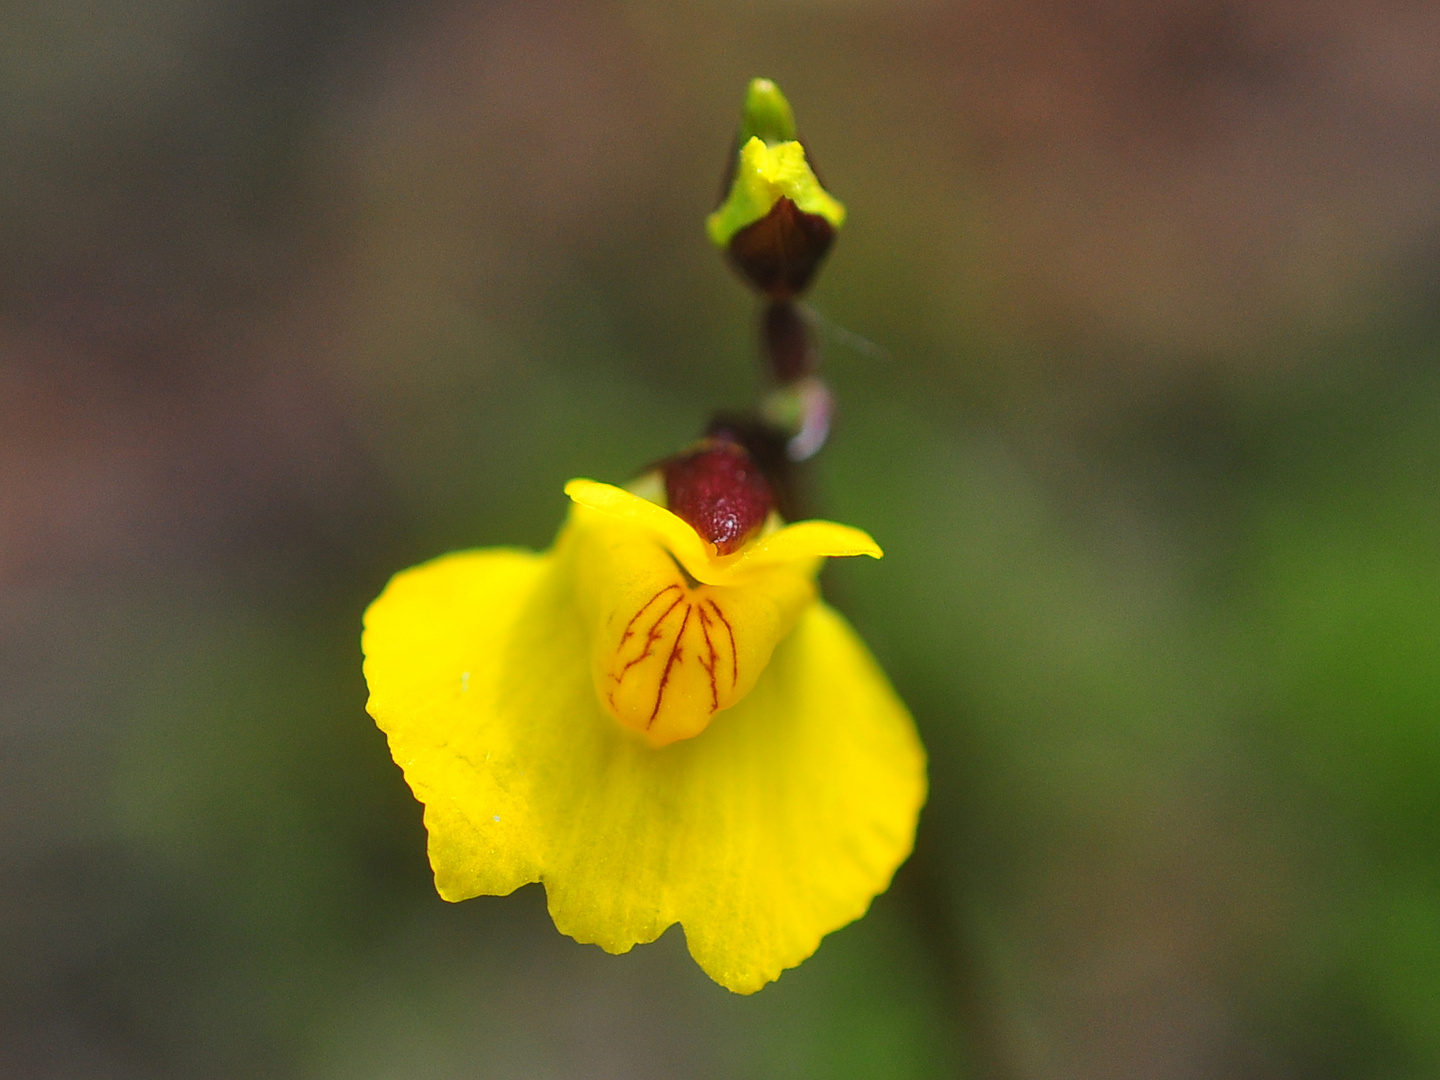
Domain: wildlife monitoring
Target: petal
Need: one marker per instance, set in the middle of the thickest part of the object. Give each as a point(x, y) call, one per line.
point(775, 826)
point(669, 652)
point(677, 535)
point(434, 644)
point(805, 540)
point(801, 542)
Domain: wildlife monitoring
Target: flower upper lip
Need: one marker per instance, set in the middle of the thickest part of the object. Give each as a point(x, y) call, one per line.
point(792, 543)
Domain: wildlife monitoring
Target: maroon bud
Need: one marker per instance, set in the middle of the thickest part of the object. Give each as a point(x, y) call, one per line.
point(780, 253)
point(785, 342)
point(720, 491)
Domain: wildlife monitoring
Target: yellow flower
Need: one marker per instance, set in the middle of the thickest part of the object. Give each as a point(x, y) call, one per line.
point(657, 730)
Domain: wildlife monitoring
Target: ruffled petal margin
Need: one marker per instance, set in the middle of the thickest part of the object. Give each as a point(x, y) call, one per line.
point(774, 827)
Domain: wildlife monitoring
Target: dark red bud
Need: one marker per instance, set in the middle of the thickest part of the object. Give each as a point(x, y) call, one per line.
point(780, 253)
point(720, 491)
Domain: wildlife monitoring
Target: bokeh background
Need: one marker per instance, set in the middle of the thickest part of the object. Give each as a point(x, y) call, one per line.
point(293, 295)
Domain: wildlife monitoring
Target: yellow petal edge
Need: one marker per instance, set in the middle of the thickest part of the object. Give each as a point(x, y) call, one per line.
point(774, 826)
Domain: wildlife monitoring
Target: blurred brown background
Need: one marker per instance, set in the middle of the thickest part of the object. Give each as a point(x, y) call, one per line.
point(295, 295)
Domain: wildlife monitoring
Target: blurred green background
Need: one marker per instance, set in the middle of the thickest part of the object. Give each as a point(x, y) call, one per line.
point(294, 295)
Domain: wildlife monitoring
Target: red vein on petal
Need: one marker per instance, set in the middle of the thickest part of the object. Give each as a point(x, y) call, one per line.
point(653, 635)
point(714, 658)
point(734, 653)
point(675, 654)
point(629, 626)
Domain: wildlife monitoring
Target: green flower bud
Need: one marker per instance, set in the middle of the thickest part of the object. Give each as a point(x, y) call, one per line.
point(777, 222)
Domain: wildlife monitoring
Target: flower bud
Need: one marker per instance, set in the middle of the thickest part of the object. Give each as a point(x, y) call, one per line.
point(776, 222)
point(720, 491)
